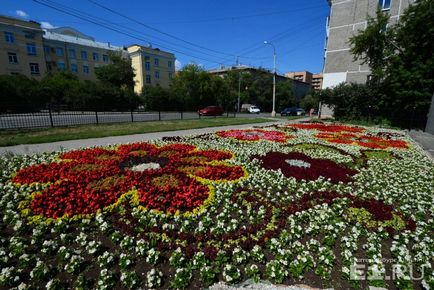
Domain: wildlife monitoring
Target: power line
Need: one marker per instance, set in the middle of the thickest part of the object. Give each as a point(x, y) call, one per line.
point(107, 26)
point(157, 30)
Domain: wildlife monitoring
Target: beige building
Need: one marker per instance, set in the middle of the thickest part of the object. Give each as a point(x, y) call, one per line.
point(67, 49)
point(29, 50)
point(315, 80)
point(21, 48)
point(152, 66)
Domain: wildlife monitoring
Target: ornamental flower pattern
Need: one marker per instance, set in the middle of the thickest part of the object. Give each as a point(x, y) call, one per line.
point(368, 141)
point(170, 178)
point(255, 135)
point(300, 166)
point(327, 127)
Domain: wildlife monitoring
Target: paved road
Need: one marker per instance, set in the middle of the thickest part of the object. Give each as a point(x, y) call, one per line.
point(42, 120)
point(425, 140)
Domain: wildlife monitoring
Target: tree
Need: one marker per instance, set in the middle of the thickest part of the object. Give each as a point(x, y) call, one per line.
point(401, 57)
point(118, 73)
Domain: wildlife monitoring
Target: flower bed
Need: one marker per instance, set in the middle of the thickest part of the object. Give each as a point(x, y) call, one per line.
point(294, 206)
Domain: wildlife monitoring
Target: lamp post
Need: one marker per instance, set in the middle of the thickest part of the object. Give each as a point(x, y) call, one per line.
point(273, 113)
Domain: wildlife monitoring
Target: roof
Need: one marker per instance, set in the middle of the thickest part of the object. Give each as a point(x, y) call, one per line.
point(50, 35)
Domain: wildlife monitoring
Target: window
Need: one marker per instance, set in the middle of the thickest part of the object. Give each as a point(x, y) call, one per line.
point(85, 69)
point(170, 76)
point(95, 56)
point(156, 62)
point(34, 68)
point(74, 67)
point(29, 34)
point(147, 66)
point(147, 57)
point(83, 54)
point(61, 65)
point(9, 37)
point(384, 4)
point(71, 53)
point(31, 49)
point(148, 79)
point(46, 49)
point(12, 57)
point(157, 74)
point(49, 67)
point(169, 63)
point(59, 51)
point(105, 58)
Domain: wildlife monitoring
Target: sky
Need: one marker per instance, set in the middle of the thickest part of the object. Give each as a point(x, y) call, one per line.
point(208, 33)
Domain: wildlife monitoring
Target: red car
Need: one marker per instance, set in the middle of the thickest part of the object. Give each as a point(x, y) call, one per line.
point(211, 111)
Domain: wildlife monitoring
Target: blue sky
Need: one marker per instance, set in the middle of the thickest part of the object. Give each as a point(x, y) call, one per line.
point(208, 33)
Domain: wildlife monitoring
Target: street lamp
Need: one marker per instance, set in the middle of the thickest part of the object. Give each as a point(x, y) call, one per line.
point(273, 113)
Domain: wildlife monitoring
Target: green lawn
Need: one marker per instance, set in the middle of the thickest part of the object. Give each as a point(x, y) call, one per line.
point(34, 136)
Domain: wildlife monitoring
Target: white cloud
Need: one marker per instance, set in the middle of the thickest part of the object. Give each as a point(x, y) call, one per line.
point(47, 25)
point(178, 65)
point(21, 13)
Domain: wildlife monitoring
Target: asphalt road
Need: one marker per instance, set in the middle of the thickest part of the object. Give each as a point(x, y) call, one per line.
point(42, 120)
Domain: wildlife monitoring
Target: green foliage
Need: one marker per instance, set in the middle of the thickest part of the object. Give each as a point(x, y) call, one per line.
point(351, 101)
point(400, 58)
point(19, 93)
point(118, 73)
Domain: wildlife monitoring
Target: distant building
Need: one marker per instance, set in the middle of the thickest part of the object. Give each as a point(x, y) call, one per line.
point(300, 88)
point(21, 48)
point(67, 49)
point(315, 80)
point(152, 66)
point(347, 18)
point(27, 49)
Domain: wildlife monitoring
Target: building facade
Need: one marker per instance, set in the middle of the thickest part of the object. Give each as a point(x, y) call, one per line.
point(67, 49)
point(152, 66)
point(347, 18)
point(27, 49)
point(315, 80)
point(299, 88)
point(21, 48)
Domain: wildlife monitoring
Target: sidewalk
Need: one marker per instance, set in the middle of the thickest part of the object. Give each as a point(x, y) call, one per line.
point(425, 140)
point(74, 144)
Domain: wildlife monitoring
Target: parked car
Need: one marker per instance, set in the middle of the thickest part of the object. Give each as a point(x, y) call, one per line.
point(293, 111)
point(211, 111)
point(254, 110)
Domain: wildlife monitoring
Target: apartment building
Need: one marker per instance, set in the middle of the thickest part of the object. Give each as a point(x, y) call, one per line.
point(152, 66)
point(67, 49)
point(315, 80)
point(21, 48)
point(347, 18)
point(27, 49)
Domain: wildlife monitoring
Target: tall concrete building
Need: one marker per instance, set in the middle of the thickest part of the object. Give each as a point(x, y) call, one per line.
point(152, 66)
point(21, 48)
point(347, 18)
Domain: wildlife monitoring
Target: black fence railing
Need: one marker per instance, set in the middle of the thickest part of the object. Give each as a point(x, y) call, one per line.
point(50, 118)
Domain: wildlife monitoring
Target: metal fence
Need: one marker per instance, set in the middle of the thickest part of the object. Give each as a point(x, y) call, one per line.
point(50, 119)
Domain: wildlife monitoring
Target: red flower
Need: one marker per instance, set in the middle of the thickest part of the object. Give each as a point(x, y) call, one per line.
point(369, 141)
point(327, 127)
point(255, 135)
point(85, 181)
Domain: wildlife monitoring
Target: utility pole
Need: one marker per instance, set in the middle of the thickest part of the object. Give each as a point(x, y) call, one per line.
point(239, 83)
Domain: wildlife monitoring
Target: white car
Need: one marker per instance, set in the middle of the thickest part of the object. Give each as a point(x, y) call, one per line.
point(254, 110)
